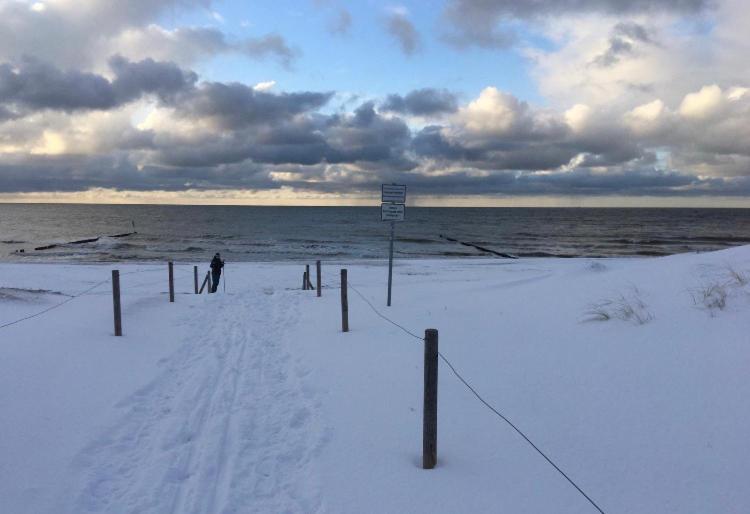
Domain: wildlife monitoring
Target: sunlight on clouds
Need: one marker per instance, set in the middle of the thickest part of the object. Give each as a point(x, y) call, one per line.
point(52, 144)
point(264, 86)
point(493, 111)
point(577, 116)
point(703, 104)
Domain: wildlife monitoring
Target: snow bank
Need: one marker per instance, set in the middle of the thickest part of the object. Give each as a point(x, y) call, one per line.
point(631, 374)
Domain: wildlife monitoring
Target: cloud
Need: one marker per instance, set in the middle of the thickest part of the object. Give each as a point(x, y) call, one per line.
point(84, 33)
point(341, 22)
point(33, 85)
point(625, 38)
point(422, 102)
point(398, 25)
point(186, 45)
point(235, 105)
point(271, 45)
point(489, 23)
point(264, 86)
point(75, 30)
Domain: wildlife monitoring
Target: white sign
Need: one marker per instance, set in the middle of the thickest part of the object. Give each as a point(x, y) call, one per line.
point(393, 193)
point(392, 212)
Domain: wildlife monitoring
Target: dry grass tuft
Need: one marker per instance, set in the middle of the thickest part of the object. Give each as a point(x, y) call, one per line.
point(626, 307)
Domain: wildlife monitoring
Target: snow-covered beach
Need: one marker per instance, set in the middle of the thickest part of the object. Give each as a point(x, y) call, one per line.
point(630, 374)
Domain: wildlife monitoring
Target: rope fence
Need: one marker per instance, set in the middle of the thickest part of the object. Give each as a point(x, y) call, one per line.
point(89, 291)
point(479, 397)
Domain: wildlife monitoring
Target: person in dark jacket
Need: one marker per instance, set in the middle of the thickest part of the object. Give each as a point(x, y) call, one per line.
point(216, 265)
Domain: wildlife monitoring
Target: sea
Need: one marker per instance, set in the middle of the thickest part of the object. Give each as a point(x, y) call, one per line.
point(244, 233)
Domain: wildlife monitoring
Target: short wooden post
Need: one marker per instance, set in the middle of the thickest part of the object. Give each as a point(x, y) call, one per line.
point(307, 274)
point(116, 301)
point(205, 282)
point(304, 281)
point(317, 275)
point(429, 413)
point(344, 303)
point(171, 282)
point(195, 278)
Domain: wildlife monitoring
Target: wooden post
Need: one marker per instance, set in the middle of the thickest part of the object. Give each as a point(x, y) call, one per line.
point(307, 274)
point(317, 274)
point(429, 412)
point(171, 282)
point(195, 278)
point(344, 303)
point(116, 301)
point(204, 284)
point(304, 281)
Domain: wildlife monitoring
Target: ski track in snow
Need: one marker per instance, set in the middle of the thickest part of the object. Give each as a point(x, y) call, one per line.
point(227, 426)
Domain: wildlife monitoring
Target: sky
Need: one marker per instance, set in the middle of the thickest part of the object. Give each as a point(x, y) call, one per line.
point(318, 102)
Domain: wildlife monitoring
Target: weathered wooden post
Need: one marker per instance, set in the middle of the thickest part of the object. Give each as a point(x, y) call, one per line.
point(317, 275)
point(304, 281)
point(171, 282)
point(429, 412)
point(344, 303)
point(307, 274)
point(116, 301)
point(205, 282)
point(195, 278)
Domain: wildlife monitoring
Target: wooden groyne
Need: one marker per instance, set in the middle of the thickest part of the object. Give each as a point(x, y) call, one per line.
point(480, 248)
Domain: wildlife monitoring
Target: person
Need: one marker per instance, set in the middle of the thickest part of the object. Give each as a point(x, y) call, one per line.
point(216, 265)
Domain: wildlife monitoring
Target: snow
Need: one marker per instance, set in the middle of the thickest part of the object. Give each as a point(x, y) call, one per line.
point(253, 400)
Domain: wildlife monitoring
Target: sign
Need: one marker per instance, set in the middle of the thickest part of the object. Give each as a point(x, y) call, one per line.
point(392, 212)
point(393, 193)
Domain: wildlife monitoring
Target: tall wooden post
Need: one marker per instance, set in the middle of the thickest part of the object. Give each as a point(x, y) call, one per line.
point(171, 282)
point(344, 303)
point(429, 412)
point(307, 274)
point(116, 301)
point(195, 278)
point(318, 274)
point(304, 281)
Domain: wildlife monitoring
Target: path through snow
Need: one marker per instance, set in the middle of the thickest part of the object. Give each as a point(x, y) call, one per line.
point(227, 425)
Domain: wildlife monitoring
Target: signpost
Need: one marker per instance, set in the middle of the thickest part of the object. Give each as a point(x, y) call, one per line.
point(392, 208)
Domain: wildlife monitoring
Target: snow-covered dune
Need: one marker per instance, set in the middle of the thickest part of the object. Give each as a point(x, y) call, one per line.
point(630, 374)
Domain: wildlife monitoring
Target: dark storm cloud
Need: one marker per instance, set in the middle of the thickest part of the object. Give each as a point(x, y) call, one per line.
point(163, 79)
point(236, 105)
point(37, 85)
point(497, 153)
point(403, 31)
point(34, 85)
point(484, 22)
point(363, 136)
point(422, 102)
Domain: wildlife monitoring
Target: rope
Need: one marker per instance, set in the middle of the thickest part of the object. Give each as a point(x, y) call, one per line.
point(82, 293)
point(56, 305)
point(483, 401)
point(384, 317)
